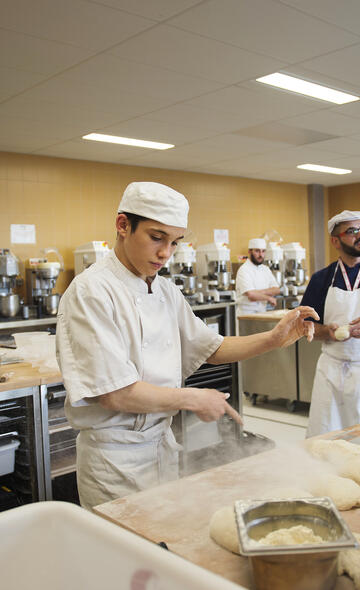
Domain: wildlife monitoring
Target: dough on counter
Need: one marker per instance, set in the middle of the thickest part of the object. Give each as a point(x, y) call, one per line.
point(342, 333)
point(344, 455)
point(344, 492)
point(349, 563)
point(223, 528)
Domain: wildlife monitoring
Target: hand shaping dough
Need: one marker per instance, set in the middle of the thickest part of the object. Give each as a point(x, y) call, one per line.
point(223, 529)
point(342, 333)
point(344, 455)
point(349, 563)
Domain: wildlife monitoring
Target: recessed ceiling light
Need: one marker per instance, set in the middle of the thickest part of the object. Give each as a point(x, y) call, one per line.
point(154, 145)
point(307, 88)
point(327, 169)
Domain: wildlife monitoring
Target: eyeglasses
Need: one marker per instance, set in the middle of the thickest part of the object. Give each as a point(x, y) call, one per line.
point(351, 231)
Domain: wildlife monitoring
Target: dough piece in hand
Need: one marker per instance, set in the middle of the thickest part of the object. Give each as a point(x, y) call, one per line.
point(223, 528)
point(344, 455)
point(344, 492)
point(349, 563)
point(342, 333)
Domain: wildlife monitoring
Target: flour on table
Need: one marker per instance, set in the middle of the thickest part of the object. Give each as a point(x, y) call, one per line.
point(295, 535)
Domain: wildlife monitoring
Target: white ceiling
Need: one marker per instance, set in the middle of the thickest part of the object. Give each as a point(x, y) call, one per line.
point(182, 72)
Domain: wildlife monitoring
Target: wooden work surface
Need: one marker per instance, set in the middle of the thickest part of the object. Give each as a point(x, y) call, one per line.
point(179, 512)
point(25, 375)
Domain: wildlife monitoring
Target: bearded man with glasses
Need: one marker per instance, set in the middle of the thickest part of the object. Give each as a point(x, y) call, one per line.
point(335, 294)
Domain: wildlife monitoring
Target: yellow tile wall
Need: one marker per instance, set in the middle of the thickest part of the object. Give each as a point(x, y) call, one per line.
point(72, 202)
point(340, 198)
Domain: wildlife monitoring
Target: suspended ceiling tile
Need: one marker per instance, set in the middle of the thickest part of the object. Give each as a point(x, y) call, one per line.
point(13, 81)
point(345, 14)
point(146, 128)
point(76, 22)
point(118, 75)
point(264, 26)
point(342, 64)
point(253, 107)
point(37, 55)
point(327, 122)
point(194, 55)
point(157, 10)
point(91, 150)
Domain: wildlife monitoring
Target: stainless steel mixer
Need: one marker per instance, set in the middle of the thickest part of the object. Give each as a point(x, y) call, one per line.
point(10, 302)
point(41, 277)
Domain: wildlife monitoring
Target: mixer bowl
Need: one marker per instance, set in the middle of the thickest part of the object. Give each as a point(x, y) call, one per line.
point(9, 304)
point(51, 303)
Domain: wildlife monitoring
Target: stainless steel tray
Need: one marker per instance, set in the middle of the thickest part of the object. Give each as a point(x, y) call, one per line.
point(256, 518)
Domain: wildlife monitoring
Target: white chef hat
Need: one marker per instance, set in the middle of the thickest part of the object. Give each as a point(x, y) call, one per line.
point(155, 201)
point(340, 217)
point(258, 243)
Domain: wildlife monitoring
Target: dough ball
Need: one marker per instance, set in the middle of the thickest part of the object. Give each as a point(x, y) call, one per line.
point(343, 455)
point(223, 529)
point(349, 563)
point(342, 333)
point(344, 492)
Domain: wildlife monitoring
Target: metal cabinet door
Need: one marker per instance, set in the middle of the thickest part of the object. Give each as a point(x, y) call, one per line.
point(272, 374)
point(308, 355)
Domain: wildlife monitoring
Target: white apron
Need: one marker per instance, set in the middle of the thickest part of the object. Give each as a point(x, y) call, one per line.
point(113, 462)
point(335, 399)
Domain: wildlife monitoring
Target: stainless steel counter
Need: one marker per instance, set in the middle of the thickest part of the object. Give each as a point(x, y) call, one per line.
point(286, 373)
point(17, 324)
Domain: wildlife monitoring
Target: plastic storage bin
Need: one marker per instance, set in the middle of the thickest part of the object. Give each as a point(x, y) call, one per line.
point(58, 545)
point(7, 455)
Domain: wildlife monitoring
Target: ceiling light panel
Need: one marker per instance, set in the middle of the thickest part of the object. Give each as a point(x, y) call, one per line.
point(154, 145)
point(286, 82)
point(326, 169)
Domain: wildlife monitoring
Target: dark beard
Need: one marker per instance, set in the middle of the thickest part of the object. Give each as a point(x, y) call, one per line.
point(350, 250)
point(256, 262)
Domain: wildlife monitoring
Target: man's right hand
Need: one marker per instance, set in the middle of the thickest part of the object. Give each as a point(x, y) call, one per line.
point(210, 404)
point(331, 330)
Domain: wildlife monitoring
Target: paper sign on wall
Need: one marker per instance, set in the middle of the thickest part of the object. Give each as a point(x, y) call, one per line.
point(221, 235)
point(21, 233)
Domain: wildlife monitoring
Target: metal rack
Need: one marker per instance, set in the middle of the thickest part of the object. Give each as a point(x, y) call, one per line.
point(20, 412)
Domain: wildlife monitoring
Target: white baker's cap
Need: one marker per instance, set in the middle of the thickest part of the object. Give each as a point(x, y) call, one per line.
point(343, 216)
point(258, 243)
point(155, 201)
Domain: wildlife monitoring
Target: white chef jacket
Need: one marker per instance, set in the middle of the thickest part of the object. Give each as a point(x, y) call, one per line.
point(110, 333)
point(252, 277)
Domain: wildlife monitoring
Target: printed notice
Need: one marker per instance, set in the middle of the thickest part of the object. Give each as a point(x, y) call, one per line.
point(21, 233)
point(221, 235)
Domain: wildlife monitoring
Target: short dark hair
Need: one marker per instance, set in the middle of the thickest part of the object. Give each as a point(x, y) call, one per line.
point(134, 219)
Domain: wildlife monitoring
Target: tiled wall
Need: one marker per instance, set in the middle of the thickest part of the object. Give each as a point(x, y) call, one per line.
point(72, 202)
point(343, 197)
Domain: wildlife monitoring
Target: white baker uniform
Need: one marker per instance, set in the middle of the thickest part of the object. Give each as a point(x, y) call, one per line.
point(335, 398)
point(110, 333)
point(252, 277)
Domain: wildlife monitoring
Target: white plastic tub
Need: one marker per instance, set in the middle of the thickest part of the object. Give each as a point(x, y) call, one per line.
point(60, 546)
point(7, 455)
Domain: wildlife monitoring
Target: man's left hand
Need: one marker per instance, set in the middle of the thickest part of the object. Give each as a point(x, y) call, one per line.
point(293, 326)
point(355, 328)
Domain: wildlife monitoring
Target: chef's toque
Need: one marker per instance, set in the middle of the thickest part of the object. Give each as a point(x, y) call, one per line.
point(257, 243)
point(340, 217)
point(155, 201)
